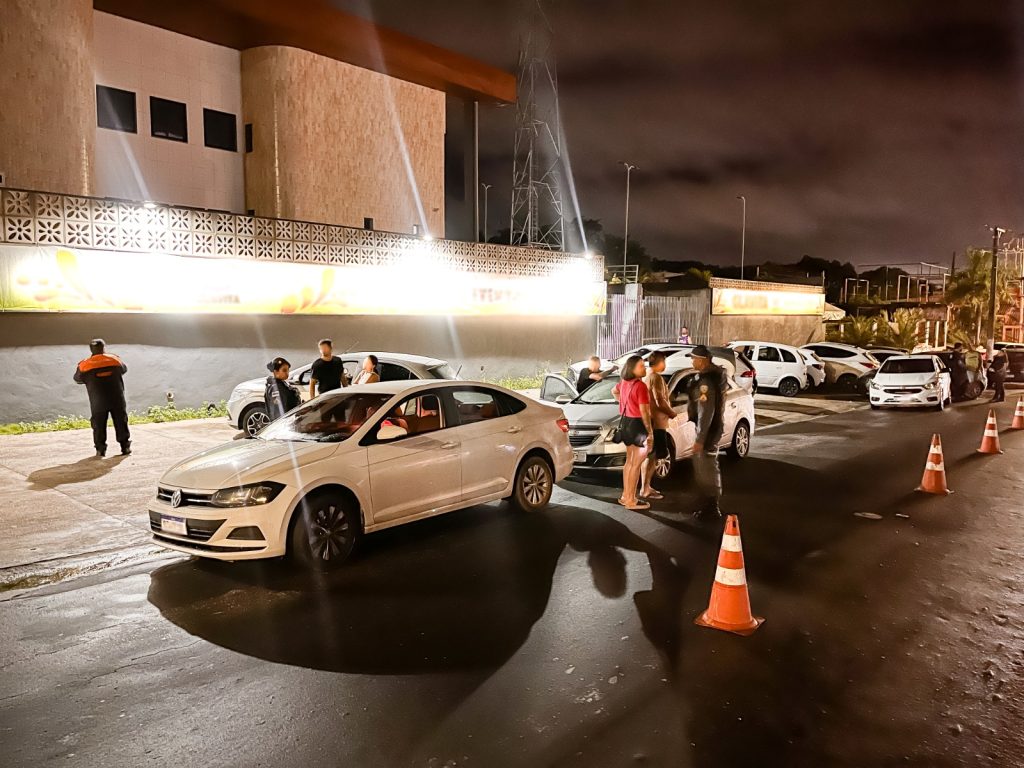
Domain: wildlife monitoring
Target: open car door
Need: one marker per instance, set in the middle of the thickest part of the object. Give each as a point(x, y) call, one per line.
point(556, 388)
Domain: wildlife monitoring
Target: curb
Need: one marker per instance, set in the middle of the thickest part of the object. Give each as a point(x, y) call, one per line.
point(18, 578)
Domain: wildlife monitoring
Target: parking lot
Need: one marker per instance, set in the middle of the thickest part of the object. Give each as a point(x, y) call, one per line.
point(486, 637)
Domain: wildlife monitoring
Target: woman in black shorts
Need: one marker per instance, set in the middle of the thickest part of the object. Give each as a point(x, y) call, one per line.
point(635, 430)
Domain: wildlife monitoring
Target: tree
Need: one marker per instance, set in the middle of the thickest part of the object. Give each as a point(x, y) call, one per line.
point(902, 331)
point(861, 331)
point(968, 293)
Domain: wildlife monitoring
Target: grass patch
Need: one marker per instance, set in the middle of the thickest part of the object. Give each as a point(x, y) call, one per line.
point(516, 383)
point(155, 414)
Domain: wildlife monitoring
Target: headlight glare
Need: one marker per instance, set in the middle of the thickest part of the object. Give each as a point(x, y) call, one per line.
point(247, 495)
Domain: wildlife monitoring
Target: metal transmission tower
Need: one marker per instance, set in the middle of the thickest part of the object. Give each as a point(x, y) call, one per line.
point(537, 219)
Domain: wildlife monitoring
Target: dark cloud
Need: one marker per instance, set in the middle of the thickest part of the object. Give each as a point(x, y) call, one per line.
point(867, 132)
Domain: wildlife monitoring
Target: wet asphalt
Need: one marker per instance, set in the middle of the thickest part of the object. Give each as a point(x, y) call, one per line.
point(566, 638)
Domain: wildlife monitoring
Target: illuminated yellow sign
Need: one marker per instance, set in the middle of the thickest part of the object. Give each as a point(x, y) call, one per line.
point(742, 301)
point(60, 279)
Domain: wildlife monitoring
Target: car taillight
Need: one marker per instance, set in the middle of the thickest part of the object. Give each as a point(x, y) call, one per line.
point(869, 366)
point(748, 374)
point(819, 366)
point(563, 424)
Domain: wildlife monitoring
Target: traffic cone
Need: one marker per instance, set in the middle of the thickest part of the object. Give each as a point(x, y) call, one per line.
point(990, 440)
point(729, 607)
point(1018, 415)
point(934, 478)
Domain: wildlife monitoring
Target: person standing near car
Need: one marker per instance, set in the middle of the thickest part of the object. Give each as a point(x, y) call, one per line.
point(958, 372)
point(635, 429)
point(327, 371)
point(589, 375)
point(706, 410)
point(997, 376)
point(103, 377)
point(661, 414)
point(280, 396)
point(368, 373)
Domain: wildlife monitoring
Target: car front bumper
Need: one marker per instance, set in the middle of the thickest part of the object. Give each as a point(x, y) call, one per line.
point(223, 533)
point(922, 398)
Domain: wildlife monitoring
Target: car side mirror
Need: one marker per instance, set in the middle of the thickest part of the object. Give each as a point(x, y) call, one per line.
point(390, 432)
point(563, 399)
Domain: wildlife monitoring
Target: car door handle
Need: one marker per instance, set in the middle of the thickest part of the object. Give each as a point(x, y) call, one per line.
point(449, 445)
point(514, 430)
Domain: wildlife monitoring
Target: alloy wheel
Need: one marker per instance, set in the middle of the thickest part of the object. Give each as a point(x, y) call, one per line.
point(536, 483)
point(741, 440)
point(331, 534)
point(255, 421)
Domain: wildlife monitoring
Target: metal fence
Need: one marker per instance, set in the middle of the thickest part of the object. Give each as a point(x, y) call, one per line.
point(44, 218)
point(634, 319)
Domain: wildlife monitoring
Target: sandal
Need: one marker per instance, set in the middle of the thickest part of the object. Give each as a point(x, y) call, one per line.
point(640, 506)
point(653, 496)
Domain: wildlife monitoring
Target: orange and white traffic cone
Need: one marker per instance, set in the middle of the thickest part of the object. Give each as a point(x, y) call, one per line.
point(729, 608)
point(1018, 415)
point(990, 440)
point(934, 478)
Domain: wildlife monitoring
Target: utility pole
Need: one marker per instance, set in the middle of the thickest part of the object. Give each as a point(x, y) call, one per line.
point(625, 240)
point(486, 188)
point(743, 234)
point(993, 292)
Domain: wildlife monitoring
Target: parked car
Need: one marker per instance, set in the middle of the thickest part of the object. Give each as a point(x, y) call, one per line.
point(815, 368)
point(977, 378)
point(881, 354)
point(247, 411)
point(911, 380)
point(594, 415)
point(845, 364)
point(736, 364)
point(358, 460)
point(780, 366)
point(644, 351)
point(1015, 362)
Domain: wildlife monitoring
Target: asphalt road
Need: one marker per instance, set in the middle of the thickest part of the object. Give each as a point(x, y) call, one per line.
point(490, 638)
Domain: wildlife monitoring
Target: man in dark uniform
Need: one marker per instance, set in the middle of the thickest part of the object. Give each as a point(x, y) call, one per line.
point(103, 376)
point(958, 372)
point(706, 410)
point(997, 376)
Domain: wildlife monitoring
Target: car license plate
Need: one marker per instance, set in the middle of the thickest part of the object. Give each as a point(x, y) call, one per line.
point(579, 457)
point(173, 525)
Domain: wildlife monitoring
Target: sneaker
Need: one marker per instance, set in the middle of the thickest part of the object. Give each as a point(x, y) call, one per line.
point(126, 450)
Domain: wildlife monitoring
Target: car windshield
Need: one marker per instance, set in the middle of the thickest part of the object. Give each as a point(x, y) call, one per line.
point(601, 392)
point(907, 365)
point(329, 419)
point(442, 371)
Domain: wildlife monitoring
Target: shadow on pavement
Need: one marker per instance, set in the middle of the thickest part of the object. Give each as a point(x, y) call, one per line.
point(460, 592)
point(81, 471)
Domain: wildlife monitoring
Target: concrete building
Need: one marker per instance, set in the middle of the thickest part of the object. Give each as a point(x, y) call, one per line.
point(207, 183)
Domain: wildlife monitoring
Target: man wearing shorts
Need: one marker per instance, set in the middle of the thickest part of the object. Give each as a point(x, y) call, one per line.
point(661, 414)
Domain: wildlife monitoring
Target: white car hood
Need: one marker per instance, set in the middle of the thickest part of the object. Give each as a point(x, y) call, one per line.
point(243, 461)
point(904, 379)
point(597, 414)
point(252, 385)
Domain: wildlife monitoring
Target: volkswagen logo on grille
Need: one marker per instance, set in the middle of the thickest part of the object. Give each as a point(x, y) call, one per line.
point(176, 499)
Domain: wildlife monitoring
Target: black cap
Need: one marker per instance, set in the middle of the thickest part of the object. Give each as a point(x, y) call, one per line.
point(700, 351)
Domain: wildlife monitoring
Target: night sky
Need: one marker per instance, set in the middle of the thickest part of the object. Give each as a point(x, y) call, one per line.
point(866, 132)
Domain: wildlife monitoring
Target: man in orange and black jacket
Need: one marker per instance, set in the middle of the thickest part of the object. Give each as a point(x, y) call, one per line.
point(103, 376)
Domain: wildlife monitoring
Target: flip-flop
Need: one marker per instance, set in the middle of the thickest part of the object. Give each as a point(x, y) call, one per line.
point(653, 496)
point(640, 506)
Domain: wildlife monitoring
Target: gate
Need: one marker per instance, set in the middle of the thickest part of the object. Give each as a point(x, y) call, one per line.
point(633, 320)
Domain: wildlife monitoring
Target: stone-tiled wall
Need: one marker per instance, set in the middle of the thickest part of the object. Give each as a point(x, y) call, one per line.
point(150, 61)
point(47, 101)
point(333, 142)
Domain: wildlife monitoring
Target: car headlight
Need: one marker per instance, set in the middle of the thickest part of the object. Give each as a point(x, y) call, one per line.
point(874, 385)
point(930, 385)
point(247, 495)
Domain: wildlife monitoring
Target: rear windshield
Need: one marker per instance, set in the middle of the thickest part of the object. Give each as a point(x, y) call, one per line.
point(442, 371)
point(893, 365)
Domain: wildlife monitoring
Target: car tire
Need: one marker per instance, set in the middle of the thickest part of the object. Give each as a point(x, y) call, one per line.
point(739, 447)
point(534, 484)
point(789, 387)
point(874, 407)
point(324, 531)
point(663, 469)
point(974, 390)
point(253, 419)
point(847, 382)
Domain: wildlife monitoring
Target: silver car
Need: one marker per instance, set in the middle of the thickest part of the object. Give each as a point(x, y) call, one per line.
point(247, 410)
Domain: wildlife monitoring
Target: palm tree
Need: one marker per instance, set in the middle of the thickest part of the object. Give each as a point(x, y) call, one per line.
point(861, 330)
point(902, 331)
point(968, 293)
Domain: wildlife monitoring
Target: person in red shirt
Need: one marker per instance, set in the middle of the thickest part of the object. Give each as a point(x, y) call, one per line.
point(103, 377)
point(635, 430)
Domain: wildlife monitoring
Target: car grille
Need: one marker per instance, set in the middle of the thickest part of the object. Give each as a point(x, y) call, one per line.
point(187, 499)
point(901, 390)
point(582, 436)
point(198, 530)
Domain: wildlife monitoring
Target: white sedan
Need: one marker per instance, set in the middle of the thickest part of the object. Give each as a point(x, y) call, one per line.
point(358, 460)
point(911, 380)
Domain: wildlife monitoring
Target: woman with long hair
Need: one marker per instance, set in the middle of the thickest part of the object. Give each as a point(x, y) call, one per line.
point(635, 428)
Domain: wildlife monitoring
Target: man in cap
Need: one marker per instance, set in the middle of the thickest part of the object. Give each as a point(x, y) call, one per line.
point(103, 377)
point(706, 410)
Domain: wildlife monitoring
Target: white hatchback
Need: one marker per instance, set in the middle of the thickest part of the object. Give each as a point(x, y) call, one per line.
point(779, 366)
point(358, 460)
point(911, 380)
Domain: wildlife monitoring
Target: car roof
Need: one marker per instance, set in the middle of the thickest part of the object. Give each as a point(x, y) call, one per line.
point(916, 356)
point(412, 385)
point(400, 357)
point(773, 343)
point(839, 344)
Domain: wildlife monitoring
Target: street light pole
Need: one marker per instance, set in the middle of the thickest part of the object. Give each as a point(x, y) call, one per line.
point(743, 234)
point(487, 188)
point(625, 240)
point(992, 293)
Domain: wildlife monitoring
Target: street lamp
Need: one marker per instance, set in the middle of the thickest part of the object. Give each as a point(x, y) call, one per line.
point(486, 187)
point(625, 240)
point(743, 234)
point(991, 343)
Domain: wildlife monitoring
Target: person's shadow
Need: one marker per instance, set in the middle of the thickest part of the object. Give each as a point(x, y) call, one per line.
point(81, 471)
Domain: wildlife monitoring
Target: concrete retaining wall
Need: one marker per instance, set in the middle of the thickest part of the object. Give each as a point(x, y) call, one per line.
point(202, 357)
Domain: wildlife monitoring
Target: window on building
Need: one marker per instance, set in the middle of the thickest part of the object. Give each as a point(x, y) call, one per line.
point(219, 129)
point(168, 119)
point(115, 109)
